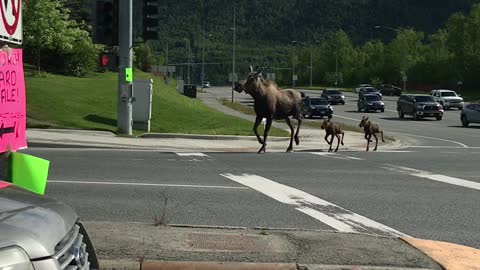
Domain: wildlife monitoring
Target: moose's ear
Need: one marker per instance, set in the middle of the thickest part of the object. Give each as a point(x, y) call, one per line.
point(251, 69)
point(366, 118)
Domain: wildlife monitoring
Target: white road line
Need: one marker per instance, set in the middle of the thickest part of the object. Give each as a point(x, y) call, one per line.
point(140, 184)
point(333, 215)
point(191, 154)
point(434, 177)
point(394, 151)
point(348, 118)
point(431, 138)
point(333, 155)
point(444, 147)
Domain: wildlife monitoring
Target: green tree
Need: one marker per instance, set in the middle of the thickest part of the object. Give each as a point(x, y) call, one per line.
point(49, 30)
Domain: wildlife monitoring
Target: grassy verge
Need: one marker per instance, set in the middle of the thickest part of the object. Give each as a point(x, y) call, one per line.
point(237, 106)
point(91, 103)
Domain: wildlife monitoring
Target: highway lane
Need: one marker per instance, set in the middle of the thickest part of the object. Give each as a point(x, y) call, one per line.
point(427, 193)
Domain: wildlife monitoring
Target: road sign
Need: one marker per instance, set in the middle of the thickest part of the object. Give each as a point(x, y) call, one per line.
point(271, 76)
point(13, 118)
point(11, 28)
point(295, 77)
point(404, 78)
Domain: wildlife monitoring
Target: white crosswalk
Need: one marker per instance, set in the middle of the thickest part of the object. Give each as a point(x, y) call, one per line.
point(326, 212)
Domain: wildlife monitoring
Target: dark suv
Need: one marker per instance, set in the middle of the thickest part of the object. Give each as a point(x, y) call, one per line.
point(334, 96)
point(419, 106)
point(316, 107)
point(371, 102)
point(390, 90)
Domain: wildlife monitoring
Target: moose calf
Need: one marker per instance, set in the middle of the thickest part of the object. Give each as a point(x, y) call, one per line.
point(370, 129)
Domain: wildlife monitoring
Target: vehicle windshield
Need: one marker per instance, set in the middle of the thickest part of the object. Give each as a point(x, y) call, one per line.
point(372, 98)
point(318, 101)
point(449, 94)
point(371, 90)
point(424, 99)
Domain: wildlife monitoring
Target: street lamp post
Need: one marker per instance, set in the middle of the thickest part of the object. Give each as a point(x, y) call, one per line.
point(233, 56)
point(188, 62)
point(203, 59)
point(336, 65)
point(311, 60)
point(404, 76)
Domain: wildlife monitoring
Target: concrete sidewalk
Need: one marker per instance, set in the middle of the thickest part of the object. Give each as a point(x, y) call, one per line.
point(310, 140)
point(126, 246)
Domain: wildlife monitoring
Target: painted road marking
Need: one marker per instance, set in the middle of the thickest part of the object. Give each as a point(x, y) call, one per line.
point(191, 154)
point(431, 138)
point(333, 155)
point(140, 184)
point(333, 215)
point(434, 177)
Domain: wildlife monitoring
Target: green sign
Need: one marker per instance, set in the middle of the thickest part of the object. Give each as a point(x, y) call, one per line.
point(30, 172)
point(129, 74)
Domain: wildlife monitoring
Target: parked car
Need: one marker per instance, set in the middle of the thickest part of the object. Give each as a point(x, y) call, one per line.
point(334, 96)
point(206, 84)
point(419, 106)
point(40, 233)
point(360, 86)
point(390, 90)
point(370, 103)
point(369, 91)
point(470, 114)
point(316, 107)
point(448, 98)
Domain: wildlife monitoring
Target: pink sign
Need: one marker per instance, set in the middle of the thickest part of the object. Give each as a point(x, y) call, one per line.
point(13, 116)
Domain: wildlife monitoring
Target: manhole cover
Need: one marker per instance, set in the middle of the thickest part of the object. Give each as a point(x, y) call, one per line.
point(227, 242)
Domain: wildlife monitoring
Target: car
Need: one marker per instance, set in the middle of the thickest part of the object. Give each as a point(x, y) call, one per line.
point(369, 91)
point(360, 86)
point(370, 102)
point(41, 233)
point(448, 98)
point(390, 90)
point(470, 114)
point(419, 106)
point(334, 96)
point(206, 84)
point(316, 106)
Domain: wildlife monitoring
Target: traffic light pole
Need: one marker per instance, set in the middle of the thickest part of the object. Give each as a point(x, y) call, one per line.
point(125, 86)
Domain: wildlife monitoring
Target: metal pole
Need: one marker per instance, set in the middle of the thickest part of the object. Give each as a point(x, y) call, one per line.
point(336, 66)
point(203, 59)
point(293, 72)
point(233, 57)
point(188, 63)
point(311, 64)
point(125, 89)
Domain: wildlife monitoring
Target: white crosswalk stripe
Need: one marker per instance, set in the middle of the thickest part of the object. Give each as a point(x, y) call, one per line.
point(192, 155)
point(326, 212)
point(334, 155)
point(434, 176)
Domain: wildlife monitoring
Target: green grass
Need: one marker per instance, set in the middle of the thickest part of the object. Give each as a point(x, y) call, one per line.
point(237, 106)
point(91, 103)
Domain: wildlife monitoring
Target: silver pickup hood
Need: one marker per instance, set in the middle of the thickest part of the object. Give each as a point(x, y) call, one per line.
point(32, 222)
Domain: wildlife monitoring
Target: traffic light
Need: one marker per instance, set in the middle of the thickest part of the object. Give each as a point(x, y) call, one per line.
point(150, 19)
point(107, 22)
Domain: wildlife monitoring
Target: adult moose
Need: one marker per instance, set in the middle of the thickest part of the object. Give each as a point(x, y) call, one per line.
point(271, 103)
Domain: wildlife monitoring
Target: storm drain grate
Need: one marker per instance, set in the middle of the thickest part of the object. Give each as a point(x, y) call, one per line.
point(226, 242)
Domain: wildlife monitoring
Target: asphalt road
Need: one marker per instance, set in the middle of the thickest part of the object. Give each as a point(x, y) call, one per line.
point(380, 193)
point(424, 133)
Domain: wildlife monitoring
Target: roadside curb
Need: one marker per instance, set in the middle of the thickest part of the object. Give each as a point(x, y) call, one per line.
point(449, 256)
point(192, 265)
point(205, 137)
